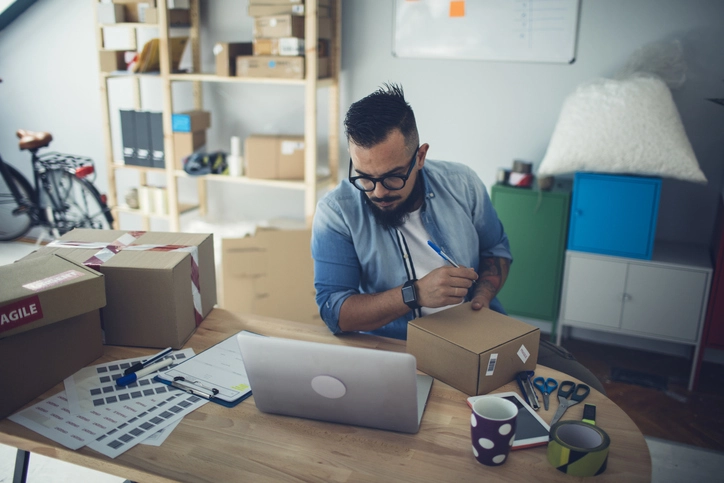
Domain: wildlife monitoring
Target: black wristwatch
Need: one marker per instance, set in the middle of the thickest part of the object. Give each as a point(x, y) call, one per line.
point(409, 296)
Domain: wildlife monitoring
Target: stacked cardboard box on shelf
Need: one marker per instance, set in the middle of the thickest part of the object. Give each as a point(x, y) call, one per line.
point(278, 44)
point(189, 133)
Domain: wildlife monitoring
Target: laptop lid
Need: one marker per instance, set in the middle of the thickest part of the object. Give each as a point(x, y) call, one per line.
point(350, 385)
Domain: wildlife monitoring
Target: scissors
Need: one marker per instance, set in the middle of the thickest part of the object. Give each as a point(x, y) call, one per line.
point(545, 386)
point(577, 392)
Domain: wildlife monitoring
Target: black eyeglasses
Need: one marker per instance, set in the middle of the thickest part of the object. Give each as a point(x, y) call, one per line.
point(392, 182)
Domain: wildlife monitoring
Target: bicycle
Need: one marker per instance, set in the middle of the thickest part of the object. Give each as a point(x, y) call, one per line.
point(62, 197)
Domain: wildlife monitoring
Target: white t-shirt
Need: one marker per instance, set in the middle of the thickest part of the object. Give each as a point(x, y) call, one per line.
point(424, 258)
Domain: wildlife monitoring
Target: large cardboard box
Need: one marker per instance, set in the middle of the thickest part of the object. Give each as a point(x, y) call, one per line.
point(226, 54)
point(473, 351)
point(274, 157)
point(270, 273)
point(277, 66)
point(159, 285)
point(49, 325)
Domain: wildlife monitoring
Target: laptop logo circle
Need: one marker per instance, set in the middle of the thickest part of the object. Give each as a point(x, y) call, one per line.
point(329, 387)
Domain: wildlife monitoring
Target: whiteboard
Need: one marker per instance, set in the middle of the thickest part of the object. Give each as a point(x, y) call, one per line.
point(502, 30)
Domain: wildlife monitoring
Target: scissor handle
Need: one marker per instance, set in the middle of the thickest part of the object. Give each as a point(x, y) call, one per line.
point(546, 386)
point(578, 392)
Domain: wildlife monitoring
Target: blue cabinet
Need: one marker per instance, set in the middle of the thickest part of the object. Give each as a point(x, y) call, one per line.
point(614, 215)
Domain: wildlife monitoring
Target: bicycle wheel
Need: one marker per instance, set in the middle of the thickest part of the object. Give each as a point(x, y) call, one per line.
point(14, 224)
point(76, 202)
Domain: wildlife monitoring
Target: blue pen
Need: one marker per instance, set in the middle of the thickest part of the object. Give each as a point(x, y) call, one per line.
point(134, 376)
point(442, 254)
point(140, 365)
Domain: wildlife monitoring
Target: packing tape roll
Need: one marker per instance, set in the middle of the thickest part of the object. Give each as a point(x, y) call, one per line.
point(578, 449)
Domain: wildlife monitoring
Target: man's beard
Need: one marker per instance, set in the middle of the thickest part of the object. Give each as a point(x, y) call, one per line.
point(395, 218)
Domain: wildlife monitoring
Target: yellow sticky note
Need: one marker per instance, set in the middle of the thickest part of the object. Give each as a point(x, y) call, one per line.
point(457, 9)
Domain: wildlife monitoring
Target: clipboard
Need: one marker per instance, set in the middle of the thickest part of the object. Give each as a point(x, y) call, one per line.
point(216, 374)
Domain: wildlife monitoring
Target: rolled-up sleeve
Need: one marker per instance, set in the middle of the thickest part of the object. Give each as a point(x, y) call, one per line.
point(336, 266)
point(493, 241)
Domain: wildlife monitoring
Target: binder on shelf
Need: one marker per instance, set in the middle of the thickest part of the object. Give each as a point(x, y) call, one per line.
point(143, 138)
point(216, 374)
point(128, 135)
point(157, 149)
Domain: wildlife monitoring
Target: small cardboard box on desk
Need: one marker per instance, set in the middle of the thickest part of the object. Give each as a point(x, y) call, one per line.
point(473, 351)
point(159, 286)
point(50, 325)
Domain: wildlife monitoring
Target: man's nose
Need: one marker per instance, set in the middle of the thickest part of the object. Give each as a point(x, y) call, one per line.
point(380, 191)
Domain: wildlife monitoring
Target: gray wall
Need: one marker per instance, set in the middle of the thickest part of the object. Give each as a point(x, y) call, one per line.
point(484, 114)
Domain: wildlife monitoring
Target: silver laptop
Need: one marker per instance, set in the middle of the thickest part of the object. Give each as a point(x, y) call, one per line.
point(361, 387)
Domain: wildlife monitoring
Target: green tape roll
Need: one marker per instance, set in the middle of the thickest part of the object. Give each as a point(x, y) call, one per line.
point(578, 449)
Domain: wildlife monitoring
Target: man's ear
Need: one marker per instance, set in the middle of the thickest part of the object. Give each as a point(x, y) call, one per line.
point(422, 155)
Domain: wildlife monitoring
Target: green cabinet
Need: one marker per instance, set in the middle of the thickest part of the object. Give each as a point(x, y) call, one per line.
point(536, 223)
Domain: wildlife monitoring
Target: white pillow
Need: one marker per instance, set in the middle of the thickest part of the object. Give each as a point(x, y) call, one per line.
point(621, 126)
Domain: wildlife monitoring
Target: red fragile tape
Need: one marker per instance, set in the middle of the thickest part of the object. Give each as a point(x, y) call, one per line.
point(106, 251)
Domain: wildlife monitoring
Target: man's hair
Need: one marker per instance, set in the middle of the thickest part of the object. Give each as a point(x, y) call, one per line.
point(370, 120)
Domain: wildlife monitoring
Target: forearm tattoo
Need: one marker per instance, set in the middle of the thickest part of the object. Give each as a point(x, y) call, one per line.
point(493, 272)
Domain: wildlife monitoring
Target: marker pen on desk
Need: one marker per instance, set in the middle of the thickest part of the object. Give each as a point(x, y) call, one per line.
point(140, 365)
point(134, 376)
point(442, 254)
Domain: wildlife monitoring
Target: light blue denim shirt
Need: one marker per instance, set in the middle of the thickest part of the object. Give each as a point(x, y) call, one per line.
point(353, 254)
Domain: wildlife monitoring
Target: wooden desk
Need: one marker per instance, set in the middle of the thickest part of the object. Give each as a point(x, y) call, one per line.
point(218, 444)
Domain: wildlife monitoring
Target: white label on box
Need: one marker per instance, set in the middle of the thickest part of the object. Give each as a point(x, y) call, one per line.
point(218, 48)
point(523, 353)
point(288, 147)
point(53, 280)
point(491, 364)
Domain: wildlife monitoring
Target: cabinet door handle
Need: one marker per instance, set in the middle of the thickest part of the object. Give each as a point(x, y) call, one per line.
point(625, 297)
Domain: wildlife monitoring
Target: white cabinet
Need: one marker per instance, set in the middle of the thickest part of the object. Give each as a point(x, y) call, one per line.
point(664, 298)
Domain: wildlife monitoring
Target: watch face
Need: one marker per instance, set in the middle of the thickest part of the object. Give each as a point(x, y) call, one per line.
point(408, 294)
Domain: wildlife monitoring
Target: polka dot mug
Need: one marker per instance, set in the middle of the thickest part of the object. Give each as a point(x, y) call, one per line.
point(492, 428)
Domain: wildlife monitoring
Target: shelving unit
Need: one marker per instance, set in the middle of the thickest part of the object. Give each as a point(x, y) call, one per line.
point(312, 183)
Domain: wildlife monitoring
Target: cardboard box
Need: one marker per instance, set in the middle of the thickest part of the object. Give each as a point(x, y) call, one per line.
point(111, 60)
point(473, 351)
point(150, 293)
point(191, 121)
point(274, 157)
point(186, 143)
point(279, 46)
point(226, 54)
point(257, 10)
point(270, 273)
point(177, 17)
point(49, 325)
point(278, 67)
point(289, 26)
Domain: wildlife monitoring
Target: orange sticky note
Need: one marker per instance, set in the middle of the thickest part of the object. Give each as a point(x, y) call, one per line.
point(457, 9)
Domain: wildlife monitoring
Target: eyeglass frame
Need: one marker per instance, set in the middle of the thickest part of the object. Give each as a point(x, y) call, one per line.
point(404, 177)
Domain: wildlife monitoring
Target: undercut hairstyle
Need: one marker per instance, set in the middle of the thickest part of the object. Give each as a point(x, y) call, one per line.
point(370, 120)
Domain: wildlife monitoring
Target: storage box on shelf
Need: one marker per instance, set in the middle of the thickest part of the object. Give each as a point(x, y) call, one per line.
point(614, 215)
point(663, 298)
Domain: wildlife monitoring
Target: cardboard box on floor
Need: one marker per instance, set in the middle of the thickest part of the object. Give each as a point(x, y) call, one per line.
point(473, 351)
point(50, 325)
point(270, 273)
point(149, 293)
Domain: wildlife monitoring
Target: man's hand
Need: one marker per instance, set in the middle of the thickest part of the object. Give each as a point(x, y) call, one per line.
point(445, 286)
point(493, 272)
